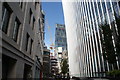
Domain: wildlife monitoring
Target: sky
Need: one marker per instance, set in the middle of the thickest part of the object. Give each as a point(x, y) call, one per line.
point(53, 15)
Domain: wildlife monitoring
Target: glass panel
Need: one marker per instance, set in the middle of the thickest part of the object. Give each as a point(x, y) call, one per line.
point(31, 47)
point(99, 7)
point(16, 29)
point(5, 19)
point(27, 38)
point(3, 12)
point(30, 16)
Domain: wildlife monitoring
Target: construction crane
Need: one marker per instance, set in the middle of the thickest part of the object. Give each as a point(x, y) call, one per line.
point(50, 35)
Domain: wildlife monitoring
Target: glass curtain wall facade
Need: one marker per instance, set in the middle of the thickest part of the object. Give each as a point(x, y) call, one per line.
point(93, 36)
point(60, 36)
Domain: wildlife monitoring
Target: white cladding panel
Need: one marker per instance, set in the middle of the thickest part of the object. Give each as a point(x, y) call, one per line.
point(71, 37)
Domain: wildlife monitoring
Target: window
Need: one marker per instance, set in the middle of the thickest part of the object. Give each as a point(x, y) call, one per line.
point(30, 13)
point(104, 7)
point(39, 25)
point(95, 5)
point(43, 17)
point(39, 22)
point(16, 29)
point(27, 39)
point(33, 23)
point(99, 8)
point(59, 29)
point(21, 4)
point(58, 34)
point(31, 47)
point(6, 13)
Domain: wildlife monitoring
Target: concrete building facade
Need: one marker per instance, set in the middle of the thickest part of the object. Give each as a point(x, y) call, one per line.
point(22, 44)
point(54, 65)
point(92, 28)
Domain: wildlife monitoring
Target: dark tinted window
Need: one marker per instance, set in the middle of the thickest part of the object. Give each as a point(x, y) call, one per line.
point(16, 29)
point(6, 13)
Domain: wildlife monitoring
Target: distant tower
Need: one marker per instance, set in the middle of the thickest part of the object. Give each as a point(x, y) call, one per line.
point(60, 42)
point(60, 36)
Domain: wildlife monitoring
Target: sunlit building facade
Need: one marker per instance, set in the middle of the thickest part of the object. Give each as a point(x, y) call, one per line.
point(93, 36)
point(21, 40)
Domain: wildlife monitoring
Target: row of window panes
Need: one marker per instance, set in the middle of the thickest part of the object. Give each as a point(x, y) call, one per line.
point(61, 45)
point(6, 14)
point(62, 34)
point(61, 41)
point(21, 4)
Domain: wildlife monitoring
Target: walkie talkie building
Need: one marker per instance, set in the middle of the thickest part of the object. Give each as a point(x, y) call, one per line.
point(93, 36)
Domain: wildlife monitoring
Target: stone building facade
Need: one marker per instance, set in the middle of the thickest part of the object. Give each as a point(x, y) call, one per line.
point(21, 27)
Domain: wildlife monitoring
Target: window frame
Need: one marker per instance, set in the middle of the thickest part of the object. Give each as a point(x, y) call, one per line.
point(5, 22)
point(27, 41)
point(30, 15)
point(16, 28)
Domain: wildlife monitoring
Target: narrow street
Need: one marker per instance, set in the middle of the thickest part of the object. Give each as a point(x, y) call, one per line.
point(60, 39)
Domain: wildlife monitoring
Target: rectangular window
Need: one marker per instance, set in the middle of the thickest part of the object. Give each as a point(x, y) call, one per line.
point(43, 17)
point(39, 25)
point(33, 23)
point(6, 13)
point(39, 22)
point(27, 39)
point(31, 47)
point(30, 16)
point(16, 29)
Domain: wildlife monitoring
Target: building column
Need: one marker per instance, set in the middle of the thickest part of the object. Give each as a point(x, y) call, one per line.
point(20, 69)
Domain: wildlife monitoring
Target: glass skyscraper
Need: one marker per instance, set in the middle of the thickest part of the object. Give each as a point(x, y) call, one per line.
point(60, 36)
point(93, 35)
point(60, 43)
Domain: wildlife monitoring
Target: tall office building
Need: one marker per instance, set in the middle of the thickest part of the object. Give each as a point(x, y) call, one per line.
point(60, 36)
point(93, 36)
point(60, 43)
point(60, 39)
point(21, 40)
